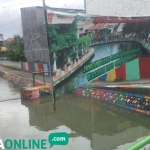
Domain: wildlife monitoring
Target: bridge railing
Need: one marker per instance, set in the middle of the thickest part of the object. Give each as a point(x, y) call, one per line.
point(143, 42)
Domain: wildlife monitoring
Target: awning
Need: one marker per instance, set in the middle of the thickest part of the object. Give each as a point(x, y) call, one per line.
point(98, 26)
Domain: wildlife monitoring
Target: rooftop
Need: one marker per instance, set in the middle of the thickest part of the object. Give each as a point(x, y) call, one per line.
point(9, 39)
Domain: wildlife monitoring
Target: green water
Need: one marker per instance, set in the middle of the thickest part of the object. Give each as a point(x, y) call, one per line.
point(90, 126)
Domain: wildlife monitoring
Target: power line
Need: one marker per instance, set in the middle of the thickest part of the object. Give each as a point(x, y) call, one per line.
point(9, 22)
point(86, 4)
point(23, 3)
point(72, 3)
point(53, 2)
point(10, 19)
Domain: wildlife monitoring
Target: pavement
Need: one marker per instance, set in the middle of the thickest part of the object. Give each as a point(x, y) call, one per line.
point(49, 79)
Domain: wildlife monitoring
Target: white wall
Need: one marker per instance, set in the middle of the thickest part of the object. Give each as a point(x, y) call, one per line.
point(7, 63)
point(126, 8)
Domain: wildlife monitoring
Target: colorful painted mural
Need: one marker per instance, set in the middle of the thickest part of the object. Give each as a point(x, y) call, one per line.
point(20, 81)
point(35, 67)
point(135, 102)
point(116, 45)
point(133, 70)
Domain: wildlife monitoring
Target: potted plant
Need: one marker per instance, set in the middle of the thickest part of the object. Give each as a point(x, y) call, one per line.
point(80, 57)
point(77, 59)
point(54, 73)
point(64, 68)
point(68, 64)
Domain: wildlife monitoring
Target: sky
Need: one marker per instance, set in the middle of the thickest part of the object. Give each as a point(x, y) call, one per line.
point(10, 16)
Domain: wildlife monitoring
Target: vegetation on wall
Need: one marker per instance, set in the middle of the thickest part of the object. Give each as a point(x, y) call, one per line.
point(131, 27)
point(62, 35)
point(15, 49)
point(63, 42)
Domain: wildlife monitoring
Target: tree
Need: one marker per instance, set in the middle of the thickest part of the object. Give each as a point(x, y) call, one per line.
point(129, 28)
point(15, 49)
point(62, 36)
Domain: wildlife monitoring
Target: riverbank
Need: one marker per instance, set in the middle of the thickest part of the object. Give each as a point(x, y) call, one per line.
point(49, 79)
point(24, 74)
point(25, 83)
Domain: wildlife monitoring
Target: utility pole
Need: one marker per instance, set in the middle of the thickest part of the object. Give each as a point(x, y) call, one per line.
point(1, 40)
point(51, 69)
point(84, 5)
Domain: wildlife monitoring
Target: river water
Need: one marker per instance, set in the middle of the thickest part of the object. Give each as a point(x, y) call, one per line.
point(90, 126)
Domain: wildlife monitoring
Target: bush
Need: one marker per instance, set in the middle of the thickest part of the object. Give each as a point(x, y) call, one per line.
point(15, 49)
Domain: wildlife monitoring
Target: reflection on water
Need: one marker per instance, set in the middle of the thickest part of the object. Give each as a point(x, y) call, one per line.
point(90, 126)
point(79, 78)
point(7, 91)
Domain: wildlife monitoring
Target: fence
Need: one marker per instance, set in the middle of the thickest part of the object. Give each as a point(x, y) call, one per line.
point(26, 66)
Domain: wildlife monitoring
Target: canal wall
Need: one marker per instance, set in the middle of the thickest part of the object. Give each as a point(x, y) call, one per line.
point(135, 102)
point(134, 70)
point(18, 80)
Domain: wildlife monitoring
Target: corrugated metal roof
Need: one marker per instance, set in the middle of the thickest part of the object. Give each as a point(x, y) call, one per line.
point(99, 26)
point(9, 39)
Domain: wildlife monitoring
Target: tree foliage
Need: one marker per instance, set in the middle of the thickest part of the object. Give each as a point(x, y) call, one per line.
point(64, 36)
point(62, 39)
point(136, 27)
point(15, 49)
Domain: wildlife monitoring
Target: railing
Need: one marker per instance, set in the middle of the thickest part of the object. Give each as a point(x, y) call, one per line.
point(140, 144)
point(141, 41)
point(63, 74)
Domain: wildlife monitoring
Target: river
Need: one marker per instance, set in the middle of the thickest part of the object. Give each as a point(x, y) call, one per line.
point(90, 126)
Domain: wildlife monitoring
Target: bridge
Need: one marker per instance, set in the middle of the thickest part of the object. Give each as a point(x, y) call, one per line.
point(138, 40)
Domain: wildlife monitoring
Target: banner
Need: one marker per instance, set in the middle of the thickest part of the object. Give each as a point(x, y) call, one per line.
point(86, 48)
point(125, 8)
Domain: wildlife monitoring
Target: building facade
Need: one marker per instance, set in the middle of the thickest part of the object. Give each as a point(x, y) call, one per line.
point(34, 34)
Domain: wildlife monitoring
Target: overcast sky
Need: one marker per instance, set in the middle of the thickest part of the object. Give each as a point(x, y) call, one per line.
point(10, 12)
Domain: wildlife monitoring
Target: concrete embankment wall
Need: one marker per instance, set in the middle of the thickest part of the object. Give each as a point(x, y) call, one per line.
point(133, 70)
point(17, 80)
point(26, 66)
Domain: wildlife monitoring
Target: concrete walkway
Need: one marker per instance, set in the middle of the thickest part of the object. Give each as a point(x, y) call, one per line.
point(25, 74)
point(101, 83)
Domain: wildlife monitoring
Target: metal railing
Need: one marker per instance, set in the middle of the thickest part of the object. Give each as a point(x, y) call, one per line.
point(140, 144)
point(143, 42)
